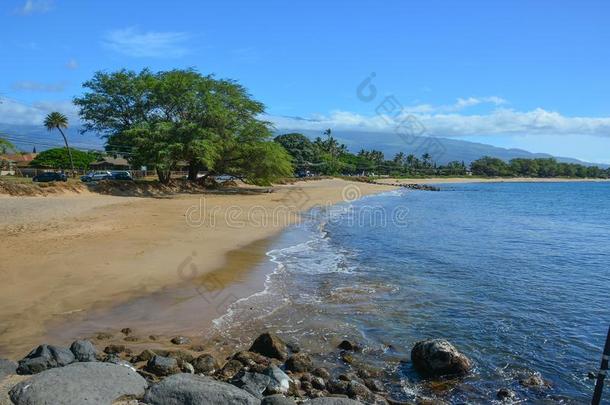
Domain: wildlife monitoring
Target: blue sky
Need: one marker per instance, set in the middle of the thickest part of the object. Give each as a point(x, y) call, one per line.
point(529, 74)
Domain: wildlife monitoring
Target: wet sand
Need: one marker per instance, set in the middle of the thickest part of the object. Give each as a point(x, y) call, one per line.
point(100, 262)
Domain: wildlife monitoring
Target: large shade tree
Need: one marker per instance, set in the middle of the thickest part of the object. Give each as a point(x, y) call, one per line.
point(180, 115)
point(57, 120)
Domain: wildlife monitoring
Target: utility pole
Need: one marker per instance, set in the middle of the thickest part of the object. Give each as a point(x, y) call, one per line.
point(603, 369)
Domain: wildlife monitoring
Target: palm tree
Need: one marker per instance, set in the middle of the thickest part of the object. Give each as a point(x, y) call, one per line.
point(58, 120)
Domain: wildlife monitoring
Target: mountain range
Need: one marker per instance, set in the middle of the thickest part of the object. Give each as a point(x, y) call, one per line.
point(442, 150)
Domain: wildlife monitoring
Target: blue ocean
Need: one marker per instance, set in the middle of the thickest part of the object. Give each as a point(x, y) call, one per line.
point(515, 275)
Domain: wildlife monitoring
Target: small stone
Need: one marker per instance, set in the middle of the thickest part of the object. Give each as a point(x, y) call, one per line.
point(206, 364)
point(126, 331)
point(230, 369)
point(131, 339)
point(270, 345)
point(162, 366)
point(505, 393)
point(188, 368)
point(359, 392)
point(154, 337)
point(280, 382)
point(336, 386)
point(299, 363)
point(321, 372)
point(84, 350)
point(350, 346)
point(318, 383)
point(306, 377)
point(115, 349)
point(534, 381)
point(374, 385)
point(591, 375)
point(104, 336)
point(145, 355)
point(181, 340)
point(293, 347)
point(198, 348)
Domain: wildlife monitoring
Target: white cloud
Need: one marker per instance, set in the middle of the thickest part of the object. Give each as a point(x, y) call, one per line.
point(138, 44)
point(28, 85)
point(17, 113)
point(35, 6)
point(501, 121)
point(459, 105)
point(72, 64)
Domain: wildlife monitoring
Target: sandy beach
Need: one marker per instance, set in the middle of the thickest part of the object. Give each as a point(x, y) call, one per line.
point(66, 255)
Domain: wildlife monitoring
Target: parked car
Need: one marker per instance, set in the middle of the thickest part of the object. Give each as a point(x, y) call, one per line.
point(121, 175)
point(49, 176)
point(96, 176)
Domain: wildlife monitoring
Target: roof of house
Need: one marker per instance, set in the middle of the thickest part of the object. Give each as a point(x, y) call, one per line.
point(118, 161)
point(21, 159)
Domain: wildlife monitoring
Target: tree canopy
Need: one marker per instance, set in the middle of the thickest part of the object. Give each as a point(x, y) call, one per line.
point(163, 118)
point(58, 158)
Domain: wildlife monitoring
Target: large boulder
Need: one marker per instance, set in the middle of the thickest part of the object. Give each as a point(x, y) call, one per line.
point(438, 357)
point(84, 350)
point(43, 358)
point(7, 367)
point(79, 383)
point(270, 345)
point(189, 389)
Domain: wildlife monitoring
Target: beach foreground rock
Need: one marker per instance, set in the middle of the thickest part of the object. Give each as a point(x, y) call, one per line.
point(188, 389)
point(79, 383)
point(438, 357)
point(43, 358)
point(270, 345)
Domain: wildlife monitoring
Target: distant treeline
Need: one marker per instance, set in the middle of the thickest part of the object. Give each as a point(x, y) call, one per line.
point(328, 157)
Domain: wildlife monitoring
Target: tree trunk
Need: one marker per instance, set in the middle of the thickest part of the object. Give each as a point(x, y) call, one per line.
point(164, 176)
point(193, 171)
point(69, 151)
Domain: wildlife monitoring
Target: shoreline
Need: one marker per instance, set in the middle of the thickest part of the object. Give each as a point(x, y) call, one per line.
point(455, 180)
point(146, 245)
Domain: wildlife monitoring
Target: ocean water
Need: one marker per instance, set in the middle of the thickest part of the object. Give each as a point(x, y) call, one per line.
point(516, 275)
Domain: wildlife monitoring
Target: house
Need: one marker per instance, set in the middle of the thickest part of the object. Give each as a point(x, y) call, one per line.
point(9, 164)
point(115, 162)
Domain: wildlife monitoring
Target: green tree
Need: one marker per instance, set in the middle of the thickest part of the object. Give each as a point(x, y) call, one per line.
point(6, 146)
point(299, 147)
point(490, 166)
point(162, 118)
point(57, 120)
point(60, 158)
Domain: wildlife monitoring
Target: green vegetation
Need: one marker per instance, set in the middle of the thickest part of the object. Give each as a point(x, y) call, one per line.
point(6, 146)
point(56, 120)
point(328, 157)
point(60, 158)
point(166, 118)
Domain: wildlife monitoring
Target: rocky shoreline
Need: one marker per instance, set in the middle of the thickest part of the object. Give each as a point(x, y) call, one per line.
point(270, 372)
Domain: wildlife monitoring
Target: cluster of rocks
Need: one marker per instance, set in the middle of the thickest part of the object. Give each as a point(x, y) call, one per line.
point(270, 372)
